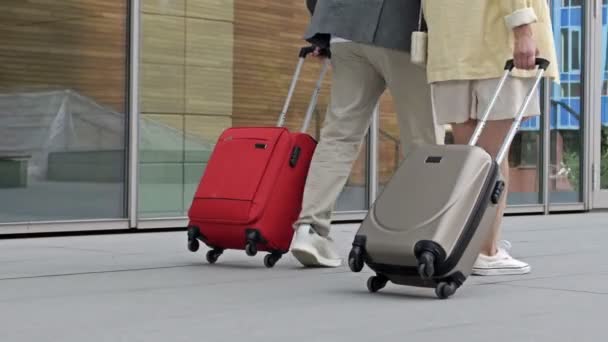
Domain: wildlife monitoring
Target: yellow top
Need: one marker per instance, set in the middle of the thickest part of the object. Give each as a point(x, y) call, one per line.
point(472, 39)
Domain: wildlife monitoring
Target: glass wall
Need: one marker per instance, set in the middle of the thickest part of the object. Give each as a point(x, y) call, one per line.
point(207, 65)
point(525, 165)
point(566, 104)
point(603, 162)
point(63, 99)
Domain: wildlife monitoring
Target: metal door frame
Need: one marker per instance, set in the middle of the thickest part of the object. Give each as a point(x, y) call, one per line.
point(597, 197)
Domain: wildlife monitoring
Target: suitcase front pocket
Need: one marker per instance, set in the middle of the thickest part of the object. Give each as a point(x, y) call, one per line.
point(236, 169)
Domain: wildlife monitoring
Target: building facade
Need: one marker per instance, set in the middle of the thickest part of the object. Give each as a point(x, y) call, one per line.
point(109, 109)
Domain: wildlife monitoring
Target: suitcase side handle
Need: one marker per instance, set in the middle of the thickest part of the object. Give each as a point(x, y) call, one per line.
point(542, 64)
point(304, 52)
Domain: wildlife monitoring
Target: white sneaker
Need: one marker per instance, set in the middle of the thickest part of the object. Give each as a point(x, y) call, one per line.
point(312, 249)
point(500, 264)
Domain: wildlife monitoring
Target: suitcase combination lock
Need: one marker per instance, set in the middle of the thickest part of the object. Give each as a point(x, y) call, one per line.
point(498, 189)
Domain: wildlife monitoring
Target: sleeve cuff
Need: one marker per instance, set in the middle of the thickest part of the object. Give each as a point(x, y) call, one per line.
point(521, 17)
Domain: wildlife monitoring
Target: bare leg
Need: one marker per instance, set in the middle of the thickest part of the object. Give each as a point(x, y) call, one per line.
point(491, 139)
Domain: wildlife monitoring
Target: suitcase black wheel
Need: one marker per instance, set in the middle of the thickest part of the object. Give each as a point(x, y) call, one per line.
point(355, 259)
point(213, 255)
point(426, 265)
point(193, 234)
point(376, 283)
point(193, 245)
point(251, 249)
point(271, 259)
point(445, 290)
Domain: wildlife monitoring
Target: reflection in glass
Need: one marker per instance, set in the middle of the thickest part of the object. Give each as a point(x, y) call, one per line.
point(205, 68)
point(566, 104)
point(62, 110)
point(604, 100)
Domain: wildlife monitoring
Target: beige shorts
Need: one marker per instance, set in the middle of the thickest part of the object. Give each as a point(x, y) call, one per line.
point(460, 101)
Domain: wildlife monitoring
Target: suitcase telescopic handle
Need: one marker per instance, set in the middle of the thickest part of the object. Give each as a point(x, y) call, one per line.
point(307, 50)
point(542, 64)
point(304, 52)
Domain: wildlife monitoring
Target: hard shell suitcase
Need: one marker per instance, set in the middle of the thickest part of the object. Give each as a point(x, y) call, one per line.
point(427, 226)
point(251, 191)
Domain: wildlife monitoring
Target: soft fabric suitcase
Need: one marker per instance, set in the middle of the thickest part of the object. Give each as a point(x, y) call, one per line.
point(427, 226)
point(251, 191)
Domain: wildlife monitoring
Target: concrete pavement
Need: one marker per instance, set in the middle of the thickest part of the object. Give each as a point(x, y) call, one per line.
point(148, 287)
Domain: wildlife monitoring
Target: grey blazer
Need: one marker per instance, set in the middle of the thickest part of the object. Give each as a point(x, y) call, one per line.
point(384, 23)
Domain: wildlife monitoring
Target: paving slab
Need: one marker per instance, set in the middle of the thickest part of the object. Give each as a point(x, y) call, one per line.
point(148, 287)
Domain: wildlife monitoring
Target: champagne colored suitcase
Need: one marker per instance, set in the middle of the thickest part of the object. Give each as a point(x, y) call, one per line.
point(251, 192)
point(427, 226)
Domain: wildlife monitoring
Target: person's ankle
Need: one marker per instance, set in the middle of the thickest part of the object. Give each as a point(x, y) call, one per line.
point(489, 251)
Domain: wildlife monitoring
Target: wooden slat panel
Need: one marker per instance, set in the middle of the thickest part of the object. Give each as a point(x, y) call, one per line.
point(78, 44)
point(166, 7)
point(172, 120)
point(162, 88)
point(267, 40)
point(211, 9)
point(32, 13)
point(188, 61)
point(208, 91)
point(209, 43)
point(163, 39)
point(207, 128)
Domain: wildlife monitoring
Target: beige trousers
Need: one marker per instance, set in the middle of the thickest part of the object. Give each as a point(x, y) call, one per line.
point(361, 73)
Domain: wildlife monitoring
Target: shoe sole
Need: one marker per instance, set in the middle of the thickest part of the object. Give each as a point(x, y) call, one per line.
point(309, 259)
point(501, 271)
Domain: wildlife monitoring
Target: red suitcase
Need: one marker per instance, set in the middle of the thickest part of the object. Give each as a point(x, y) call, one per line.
point(251, 192)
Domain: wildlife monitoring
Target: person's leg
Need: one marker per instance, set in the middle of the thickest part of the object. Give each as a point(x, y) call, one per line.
point(356, 88)
point(411, 95)
point(495, 259)
point(490, 140)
